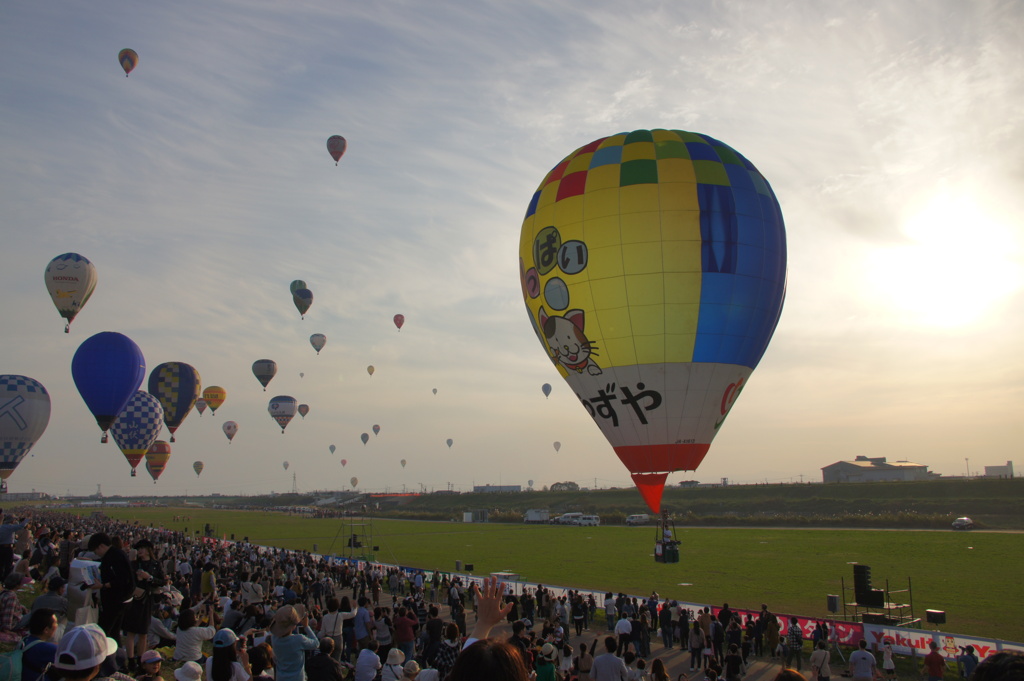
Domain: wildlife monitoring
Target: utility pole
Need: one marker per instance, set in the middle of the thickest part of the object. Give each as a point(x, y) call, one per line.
point(295, 487)
point(967, 461)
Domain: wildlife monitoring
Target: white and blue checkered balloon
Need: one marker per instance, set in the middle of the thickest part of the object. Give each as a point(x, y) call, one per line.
point(24, 415)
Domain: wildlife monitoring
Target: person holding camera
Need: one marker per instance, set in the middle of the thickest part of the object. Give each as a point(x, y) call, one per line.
point(230, 659)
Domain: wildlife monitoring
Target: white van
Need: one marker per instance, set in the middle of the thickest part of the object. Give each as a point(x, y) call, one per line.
point(568, 519)
point(591, 520)
point(637, 519)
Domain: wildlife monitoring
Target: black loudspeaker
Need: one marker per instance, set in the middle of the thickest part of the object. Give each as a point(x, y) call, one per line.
point(833, 602)
point(469, 567)
point(861, 581)
point(875, 598)
point(935, 616)
point(875, 618)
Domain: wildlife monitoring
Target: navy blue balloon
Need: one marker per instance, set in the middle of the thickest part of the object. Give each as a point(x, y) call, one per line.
point(108, 368)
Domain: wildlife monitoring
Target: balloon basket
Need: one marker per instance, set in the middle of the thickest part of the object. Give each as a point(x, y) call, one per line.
point(133, 473)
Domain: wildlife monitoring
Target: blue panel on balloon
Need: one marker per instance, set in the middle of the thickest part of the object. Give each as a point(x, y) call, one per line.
point(606, 156)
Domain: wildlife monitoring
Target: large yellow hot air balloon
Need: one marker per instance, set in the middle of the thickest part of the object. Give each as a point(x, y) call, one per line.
point(156, 459)
point(214, 397)
point(653, 267)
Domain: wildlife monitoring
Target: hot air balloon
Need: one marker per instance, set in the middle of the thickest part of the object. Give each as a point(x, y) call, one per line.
point(546, 389)
point(138, 426)
point(336, 146)
point(264, 370)
point(108, 368)
point(282, 409)
point(128, 59)
point(403, 463)
point(376, 429)
point(529, 483)
point(653, 267)
point(435, 391)
point(302, 374)
point(365, 437)
point(302, 298)
point(296, 285)
point(557, 445)
point(399, 321)
point(198, 467)
point(370, 370)
point(214, 396)
point(344, 462)
point(286, 464)
point(318, 341)
point(24, 415)
point(156, 459)
point(303, 410)
point(230, 428)
point(200, 406)
point(354, 481)
point(450, 442)
point(70, 279)
point(177, 386)
point(332, 448)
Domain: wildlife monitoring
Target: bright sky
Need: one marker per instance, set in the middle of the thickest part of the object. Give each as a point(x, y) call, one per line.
point(200, 187)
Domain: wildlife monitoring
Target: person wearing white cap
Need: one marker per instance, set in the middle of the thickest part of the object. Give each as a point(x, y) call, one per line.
point(81, 652)
point(230, 659)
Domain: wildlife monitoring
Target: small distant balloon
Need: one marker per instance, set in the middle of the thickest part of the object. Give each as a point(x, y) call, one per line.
point(546, 389)
point(399, 321)
point(370, 370)
point(27, 403)
point(365, 437)
point(318, 341)
point(332, 448)
point(558, 445)
point(403, 463)
point(376, 429)
point(198, 467)
point(201, 406)
point(264, 370)
point(354, 481)
point(282, 409)
point(450, 442)
point(435, 391)
point(230, 428)
point(302, 374)
point(214, 396)
point(529, 483)
point(302, 299)
point(344, 462)
point(296, 285)
point(128, 59)
point(286, 464)
point(303, 410)
point(70, 279)
point(336, 146)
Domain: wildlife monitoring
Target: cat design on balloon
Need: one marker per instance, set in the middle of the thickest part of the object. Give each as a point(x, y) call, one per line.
point(568, 342)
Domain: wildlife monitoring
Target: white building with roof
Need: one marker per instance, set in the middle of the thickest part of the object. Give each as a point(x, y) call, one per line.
point(875, 469)
point(999, 471)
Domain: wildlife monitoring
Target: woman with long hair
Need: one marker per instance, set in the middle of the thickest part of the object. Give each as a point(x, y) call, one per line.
point(230, 660)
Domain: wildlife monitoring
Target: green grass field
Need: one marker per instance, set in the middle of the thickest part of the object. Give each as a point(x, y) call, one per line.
point(974, 576)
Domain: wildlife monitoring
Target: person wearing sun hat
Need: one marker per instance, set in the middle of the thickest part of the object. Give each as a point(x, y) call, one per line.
point(393, 670)
point(546, 662)
point(230, 659)
point(190, 671)
point(81, 652)
point(290, 638)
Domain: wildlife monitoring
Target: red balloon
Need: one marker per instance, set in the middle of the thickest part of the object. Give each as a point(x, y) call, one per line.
point(399, 321)
point(336, 146)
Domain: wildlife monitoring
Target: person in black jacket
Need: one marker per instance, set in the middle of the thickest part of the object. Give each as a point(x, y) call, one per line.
point(322, 666)
point(117, 582)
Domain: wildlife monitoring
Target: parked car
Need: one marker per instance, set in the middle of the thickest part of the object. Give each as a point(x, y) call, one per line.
point(638, 519)
point(567, 518)
point(963, 523)
point(591, 520)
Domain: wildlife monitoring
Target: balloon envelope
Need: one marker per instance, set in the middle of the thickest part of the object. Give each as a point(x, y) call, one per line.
point(399, 321)
point(138, 426)
point(376, 429)
point(70, 280)
point(156, 458)
point(354, 481)
point(655, 262)
point(435, 391)
point(370, 370)
point(214, 396)
point(365, 437)
point(108, 368)
point(450, 442)
point(24, 415)
point(296, 285)
point(128, 59)
point(558, 445)
point(344, 462)
point(332, 448)
point(318, 341)
point(264, 370)
point(546, 389)
point(201, 406)
point(177, 386)
point(230, 428)
point(198, 467)
point(336, 146)
point(303, 410)
point(282, 409)
point(403, 463)
point(286, 464)
point(302, 298)
point(529, 483)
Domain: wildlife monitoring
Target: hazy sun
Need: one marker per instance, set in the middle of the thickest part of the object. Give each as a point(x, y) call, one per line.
point(959, 262)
